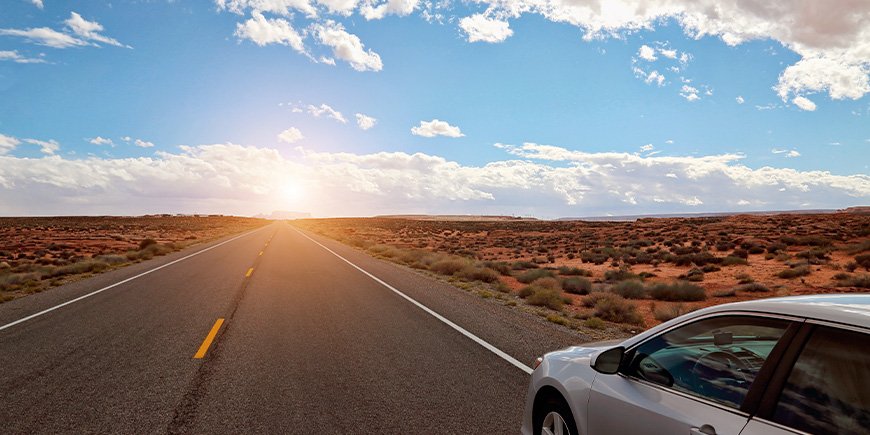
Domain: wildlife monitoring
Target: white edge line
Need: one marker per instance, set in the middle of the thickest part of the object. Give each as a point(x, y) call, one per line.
point(48, 310)
point(461, 330)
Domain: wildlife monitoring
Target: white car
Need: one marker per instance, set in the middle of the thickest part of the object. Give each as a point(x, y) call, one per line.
point(764, 367)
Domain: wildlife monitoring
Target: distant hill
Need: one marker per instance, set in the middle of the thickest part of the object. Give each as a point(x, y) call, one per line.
point(852, 210)
point(455, 217)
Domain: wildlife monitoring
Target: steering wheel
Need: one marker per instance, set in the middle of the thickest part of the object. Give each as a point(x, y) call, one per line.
point(719, 372)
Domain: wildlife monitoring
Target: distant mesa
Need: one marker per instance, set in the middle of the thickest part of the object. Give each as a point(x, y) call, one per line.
point(283, 214)
point(851, 210)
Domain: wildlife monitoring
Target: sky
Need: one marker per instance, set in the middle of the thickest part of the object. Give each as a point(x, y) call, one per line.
point(544, 108)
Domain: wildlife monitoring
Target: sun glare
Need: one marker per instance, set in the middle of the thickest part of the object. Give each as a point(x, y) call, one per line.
point(293, 191)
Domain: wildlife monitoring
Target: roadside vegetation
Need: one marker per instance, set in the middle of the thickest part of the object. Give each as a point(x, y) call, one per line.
point(617, 277)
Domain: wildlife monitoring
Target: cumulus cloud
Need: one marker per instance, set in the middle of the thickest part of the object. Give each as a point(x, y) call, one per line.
point(48, 147)
point(533, 179)
point(832, 38)
point(279, 7)
point(436, 127)
point(37, 3)
point(647, 53)
point(89, 30)
point(740, 99)
point(690, 93)
point(101, 141)
point(347, 47)
point(143, 143)
point(373, 10)
point(263, 31)
point(8, 143)
point(479, 27)
point(787, 153)
point(291, 135)
point(365, 122)
point(325, 109)
point(647, 148)
point(804, 103)
point(14, 56)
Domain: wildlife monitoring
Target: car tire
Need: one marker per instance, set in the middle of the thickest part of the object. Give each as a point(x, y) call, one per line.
point(555, 418)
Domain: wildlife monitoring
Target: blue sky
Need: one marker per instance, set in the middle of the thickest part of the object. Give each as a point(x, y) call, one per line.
point(185, 73)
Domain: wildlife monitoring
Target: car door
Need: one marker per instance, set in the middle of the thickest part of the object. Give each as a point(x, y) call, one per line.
point(825, 391)
point(690, 379)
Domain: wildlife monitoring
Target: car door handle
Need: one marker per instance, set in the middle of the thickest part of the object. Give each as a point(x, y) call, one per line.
point(705, 429)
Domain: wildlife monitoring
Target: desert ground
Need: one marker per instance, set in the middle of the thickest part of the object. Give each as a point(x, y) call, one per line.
point(620, 277)
point(37, 253)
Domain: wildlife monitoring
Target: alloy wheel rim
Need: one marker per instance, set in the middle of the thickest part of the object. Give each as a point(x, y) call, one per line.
point(554, 424)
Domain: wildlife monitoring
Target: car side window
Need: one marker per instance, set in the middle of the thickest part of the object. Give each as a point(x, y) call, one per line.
point(716, 358)
point(828, 389)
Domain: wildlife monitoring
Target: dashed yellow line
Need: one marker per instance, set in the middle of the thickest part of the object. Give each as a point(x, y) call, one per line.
point(208, 339)
point(249, 272)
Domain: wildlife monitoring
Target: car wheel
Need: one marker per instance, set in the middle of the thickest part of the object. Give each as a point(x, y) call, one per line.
point(555, 419)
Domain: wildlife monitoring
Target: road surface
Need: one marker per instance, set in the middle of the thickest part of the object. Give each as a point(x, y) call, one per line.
point(272, 331)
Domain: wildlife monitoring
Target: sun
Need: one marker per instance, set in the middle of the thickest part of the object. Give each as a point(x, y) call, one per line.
point(293, 191)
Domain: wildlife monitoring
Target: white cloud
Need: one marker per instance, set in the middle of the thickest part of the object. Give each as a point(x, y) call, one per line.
point(832, 38)
point(436, 127)
point(668, 53)
point(804, 103)
point(372, 11)
point(8, 143)
point(279, 7)
point(793, 153)
point(143, 143)
point(690, 93)
point(228, 178)
point(646, 148)
point(101, 141)
point(347, 47)
point(48, 147)
point(126, 138)
point(669, 141)
point(17, 58)
point(90, 30)
point(341, 7)
point(45, 36)
point(264, 31)
point(365, 122)
point(479, 27)
point(788, 153)
point(325, 109)
point(37, 3)
point(649, 77)
point(291, 135)
point(647, 53)
point(740, 100)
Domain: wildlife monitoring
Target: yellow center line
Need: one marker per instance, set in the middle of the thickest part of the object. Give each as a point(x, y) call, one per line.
point(208, 339)
point(261, 253)
point(250, 271)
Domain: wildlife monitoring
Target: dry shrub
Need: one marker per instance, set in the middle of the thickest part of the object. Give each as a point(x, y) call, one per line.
point(631, 289)
point(618, 310)
point(677, 291)
point(577, 285)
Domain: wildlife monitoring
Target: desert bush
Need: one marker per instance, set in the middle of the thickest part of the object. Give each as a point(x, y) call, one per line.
point(547, 282)
point(112, 259)
point(841, 276)
point(752, 287)
point(594, 323)
point(449, 266)
point(710, 268)
point(732, 261)
point(862, 281)
point(694, 275)
point(851, 266)
point(477, 273)
point(740, 253)
point(677, 291)
point(86, 266)
point(863, 260)
point(630, 289)
point(577, 285)
point(794, 272)
point(146, 243)
point(744, 278)
point(663, 313)
point(592, 298)
point(619, 275)
point(574, 271)
point(499, 266)
point(698, 259)
point(522, 265)
point(725, 293)
point(549, 298)
point(857, 248)
point(530, 275)
point(618, 310)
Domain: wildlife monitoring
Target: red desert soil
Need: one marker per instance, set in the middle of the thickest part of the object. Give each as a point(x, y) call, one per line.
point(663, 250)
point(41, 252)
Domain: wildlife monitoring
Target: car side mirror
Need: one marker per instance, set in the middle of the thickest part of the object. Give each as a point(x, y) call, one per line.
point(608, 361)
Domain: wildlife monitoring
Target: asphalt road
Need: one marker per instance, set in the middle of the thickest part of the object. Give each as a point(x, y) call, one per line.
point(308, 343)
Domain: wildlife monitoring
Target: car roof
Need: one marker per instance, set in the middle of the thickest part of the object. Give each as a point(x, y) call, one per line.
point(852, 309)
